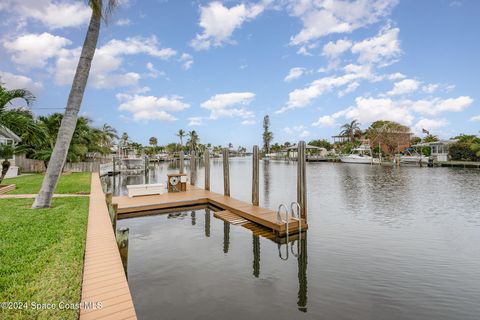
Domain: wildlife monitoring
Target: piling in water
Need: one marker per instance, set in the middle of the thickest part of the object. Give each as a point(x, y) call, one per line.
point(226, 173)
point(206, 159)
point(182, 162)
point(122, 242)
point(301, 179)
point(255, 174)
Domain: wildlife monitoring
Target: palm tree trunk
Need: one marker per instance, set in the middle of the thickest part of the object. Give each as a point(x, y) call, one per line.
point(5, 167)
point(69, 121)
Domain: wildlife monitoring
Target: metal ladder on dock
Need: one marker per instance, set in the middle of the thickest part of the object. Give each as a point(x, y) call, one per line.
point(295, 214)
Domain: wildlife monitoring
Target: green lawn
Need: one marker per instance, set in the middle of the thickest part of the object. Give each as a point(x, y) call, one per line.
point(41, 255)
point(70, 183)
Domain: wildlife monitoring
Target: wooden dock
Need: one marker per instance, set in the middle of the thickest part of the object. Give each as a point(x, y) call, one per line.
point(138, 206)
point(104, 279)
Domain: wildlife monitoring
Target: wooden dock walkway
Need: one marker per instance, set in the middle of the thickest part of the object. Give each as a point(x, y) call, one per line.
point(137, 206)
point(104, 279)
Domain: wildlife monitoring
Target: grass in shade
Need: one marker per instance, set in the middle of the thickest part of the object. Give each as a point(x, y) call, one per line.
point(41, 254)
point(78, 183)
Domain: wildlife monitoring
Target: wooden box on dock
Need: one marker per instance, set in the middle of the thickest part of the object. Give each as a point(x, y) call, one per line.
point(177, 182)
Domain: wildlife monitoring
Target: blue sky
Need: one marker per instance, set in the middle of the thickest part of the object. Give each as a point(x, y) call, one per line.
point(218, 67)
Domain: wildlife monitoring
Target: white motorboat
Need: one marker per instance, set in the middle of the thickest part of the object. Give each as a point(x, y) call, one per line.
point(412, 157)
point(362, 155)
point(133, 163)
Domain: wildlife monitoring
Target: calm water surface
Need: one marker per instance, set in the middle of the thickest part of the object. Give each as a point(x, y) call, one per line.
point(383, 243)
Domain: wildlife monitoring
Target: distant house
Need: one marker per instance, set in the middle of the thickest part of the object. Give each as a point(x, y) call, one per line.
point(7, 136)
point(439, 149)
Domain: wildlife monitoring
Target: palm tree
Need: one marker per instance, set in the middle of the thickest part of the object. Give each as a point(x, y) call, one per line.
point(153, 141)
point(107, 135)
point(69, 121)
point(7, 96)
point(193, 140)
point(351, 130)
point(181, 134)
point(19, 120)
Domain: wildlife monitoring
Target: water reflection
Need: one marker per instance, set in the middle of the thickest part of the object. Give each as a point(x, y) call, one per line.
point(194, 218)
point(226, 236)
point(302, 272)
point(207, 222)
point(256, 255)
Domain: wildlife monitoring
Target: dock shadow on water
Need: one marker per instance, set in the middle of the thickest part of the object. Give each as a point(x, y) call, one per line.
point(383, 243)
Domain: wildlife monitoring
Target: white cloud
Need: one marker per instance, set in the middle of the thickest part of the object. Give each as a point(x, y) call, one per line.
point(186, 60)
point(430, 88)
point(333, 49)
point(381, 50)
point(219, 22)
point(404, 87)
point(299, 131)
point(321, 18)
point(195, 121)
point(429, 124)
point(108, 59)
point(248, 122)
point(325, 121)
point(14, 81)
point(150, 107)
point(349, 89)
point(475, 118)
point(300, 98)
point(437, 105)
point(53, 14)
point(123, 22)
point(34, 50)
point(396, 76)
point(368, 110)
point(294, 73)
point(229, 105)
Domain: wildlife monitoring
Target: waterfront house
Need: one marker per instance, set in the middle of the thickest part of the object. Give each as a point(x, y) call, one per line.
point(7, 136)
point(439, 149)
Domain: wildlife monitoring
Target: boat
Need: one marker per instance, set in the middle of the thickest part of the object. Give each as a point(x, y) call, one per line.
point(362, 155)
point(133, 163)
point(412, 157)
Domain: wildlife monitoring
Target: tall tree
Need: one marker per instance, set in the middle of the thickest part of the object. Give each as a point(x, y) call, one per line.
point(267, 134)
point(181, 134)
point(69, 121)
point(193, 140)
point(351, 130)
point(153, 141)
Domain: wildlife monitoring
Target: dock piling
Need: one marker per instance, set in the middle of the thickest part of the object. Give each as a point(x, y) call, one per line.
point(122, 242)
point(182, 162)
point(255, 174)
point(301, 179)
point(206, 159)
point(193, 167)
point(226, 173)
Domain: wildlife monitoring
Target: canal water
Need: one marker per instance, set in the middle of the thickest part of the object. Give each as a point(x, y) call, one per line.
point(383, 243)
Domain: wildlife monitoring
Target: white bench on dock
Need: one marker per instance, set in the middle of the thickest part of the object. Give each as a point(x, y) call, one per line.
point(145, 189)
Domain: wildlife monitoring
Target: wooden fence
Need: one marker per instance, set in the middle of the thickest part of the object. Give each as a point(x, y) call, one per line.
point(31, 165)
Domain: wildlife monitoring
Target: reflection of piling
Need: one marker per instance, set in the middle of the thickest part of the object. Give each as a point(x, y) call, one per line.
point(255, 174)
point(207, 222)
point(302, 179)
point(302, 272)
point(122, 242)
point(256, 256)
point(182, 162)
point(226, 173)
point(206, 160)
point(194, 218)
point(226, 236)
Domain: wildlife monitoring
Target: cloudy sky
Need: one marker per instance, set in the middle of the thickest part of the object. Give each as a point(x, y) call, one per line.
point(219, 66)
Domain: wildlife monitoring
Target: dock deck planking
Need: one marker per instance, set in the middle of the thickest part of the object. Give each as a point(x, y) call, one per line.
point(195, 196)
